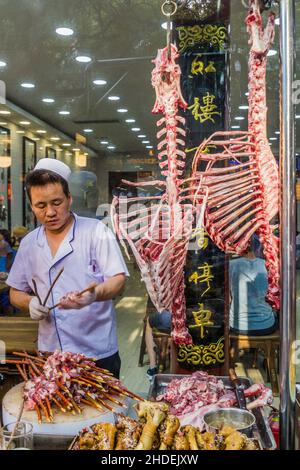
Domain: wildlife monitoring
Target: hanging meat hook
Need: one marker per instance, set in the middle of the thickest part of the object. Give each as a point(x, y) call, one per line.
point(169, 8)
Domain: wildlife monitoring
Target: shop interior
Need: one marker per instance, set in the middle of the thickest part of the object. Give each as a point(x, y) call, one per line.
point(75, 85)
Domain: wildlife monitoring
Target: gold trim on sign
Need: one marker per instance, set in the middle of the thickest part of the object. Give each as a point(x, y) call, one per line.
point(202, 354)
point(191, 35)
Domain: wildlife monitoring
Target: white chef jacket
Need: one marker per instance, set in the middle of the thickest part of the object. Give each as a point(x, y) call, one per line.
point(89, 253)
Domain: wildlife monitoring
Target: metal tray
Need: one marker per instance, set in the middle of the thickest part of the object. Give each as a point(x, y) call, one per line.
point(261, 431)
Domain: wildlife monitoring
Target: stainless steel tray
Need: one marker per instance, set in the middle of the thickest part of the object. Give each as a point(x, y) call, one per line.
point(261, 430)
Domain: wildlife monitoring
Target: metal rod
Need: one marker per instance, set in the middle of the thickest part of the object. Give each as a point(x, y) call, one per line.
point(288, 227)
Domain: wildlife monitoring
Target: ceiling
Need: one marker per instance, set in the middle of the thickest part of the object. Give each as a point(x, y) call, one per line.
point(121, 37)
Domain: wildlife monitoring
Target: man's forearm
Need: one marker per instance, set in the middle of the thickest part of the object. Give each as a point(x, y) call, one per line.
point(110, 288)
point(19, 299)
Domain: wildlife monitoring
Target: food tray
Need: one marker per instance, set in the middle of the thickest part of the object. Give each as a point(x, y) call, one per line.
point(261, 431)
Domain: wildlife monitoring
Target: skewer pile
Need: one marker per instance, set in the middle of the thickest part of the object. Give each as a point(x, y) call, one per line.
point(65, 380)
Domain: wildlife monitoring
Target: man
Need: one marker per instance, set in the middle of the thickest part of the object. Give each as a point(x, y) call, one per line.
point(88, 252)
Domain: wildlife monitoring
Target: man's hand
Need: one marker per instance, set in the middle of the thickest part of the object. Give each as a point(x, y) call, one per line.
point(75, 301)
point(36, 310)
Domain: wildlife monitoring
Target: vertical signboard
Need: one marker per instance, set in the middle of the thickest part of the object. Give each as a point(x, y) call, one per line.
point(204, 65)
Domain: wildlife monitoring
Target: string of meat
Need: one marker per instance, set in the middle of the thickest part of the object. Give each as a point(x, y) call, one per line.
point(66, 380)
point(241, 172)
point(158, 228)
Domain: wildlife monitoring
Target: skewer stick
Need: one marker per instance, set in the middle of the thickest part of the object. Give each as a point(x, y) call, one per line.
point(58, 405)
point(88, 289)
point(38, 412)
point(21, 372)
point(52, 285)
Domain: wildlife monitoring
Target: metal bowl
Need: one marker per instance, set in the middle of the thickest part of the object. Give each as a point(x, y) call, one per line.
point(240, 420)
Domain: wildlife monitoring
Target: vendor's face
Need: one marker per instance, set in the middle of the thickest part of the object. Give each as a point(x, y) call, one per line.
point(51, 206)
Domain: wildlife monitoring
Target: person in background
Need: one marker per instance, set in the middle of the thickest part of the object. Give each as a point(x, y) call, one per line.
point(7, 255)
point(161, 321)
point(18, 232)
point(249, 311)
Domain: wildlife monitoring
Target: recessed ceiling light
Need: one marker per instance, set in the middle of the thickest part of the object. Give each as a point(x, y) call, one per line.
point(244, 106)
point(277, 21)
point(20, 132)
point(5, 112)
point(64, 113)
point(88, 131)
point(165, 25)
point(48, 100)
point(111, 147)
point(25, 123)
point(59, 150)
point(271, 52)
point(130, 120)
point(55, 138)
point(2, 123)
point(2, 63)
point(66, 145)
point(273, 138)
point(277, 132)
point(76, 150)
point(27, 85)
point(239, 118)
point(41, 131)
point(122, 110)
point(104, 142)
point(83, 58)
point(99, 82)
point(141, 136)
point(135, 129)
point(64, 31)
point(235, 127)
point(35, 138)
point(146, 142)
point(149, 146)
point(113, 98)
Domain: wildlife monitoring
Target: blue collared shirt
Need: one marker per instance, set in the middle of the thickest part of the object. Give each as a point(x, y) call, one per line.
point(89, 253)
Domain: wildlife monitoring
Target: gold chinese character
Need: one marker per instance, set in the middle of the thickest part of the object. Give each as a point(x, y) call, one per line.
point(194, 277)
point(202, 318)
point(207, 111)
point(203, 239)
point(211, 67)
point(206, 276)
point(197, 65)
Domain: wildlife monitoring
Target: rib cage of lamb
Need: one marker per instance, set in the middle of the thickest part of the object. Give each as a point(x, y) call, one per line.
point(243, 198)
point(232, 201)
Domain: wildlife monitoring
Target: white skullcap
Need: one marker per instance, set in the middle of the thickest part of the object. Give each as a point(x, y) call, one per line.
point(54, 165)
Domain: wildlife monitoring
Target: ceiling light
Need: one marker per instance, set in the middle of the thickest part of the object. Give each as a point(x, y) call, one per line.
point(277, 21)
point(48, 100)
point(99, 82)
point(64, 113)
point(244, 106)
point(113, 98)
point(235, 127)
point(130, 120)
point(165, 25)
point(111, 147)
point(2, 63)
point(141, 136)
point(35, 138)
point(4, 112)
point(55, 138)
point(149, 146)
point(27, 85)
point(83, 59)
point(25, 123)
point(273, 138)
point(88, 131)
point(66, 145)
point(41, 131)
point(135, 129)
point(277, 132)
point(2, 123)
point(104, 142)
point(64, 31)
point(59, 150)
point(122, 110)
point(239, 118)
point(76, 150)
point(297, 116)
point(20, 132)
point(146, 142)
point(271, 52)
